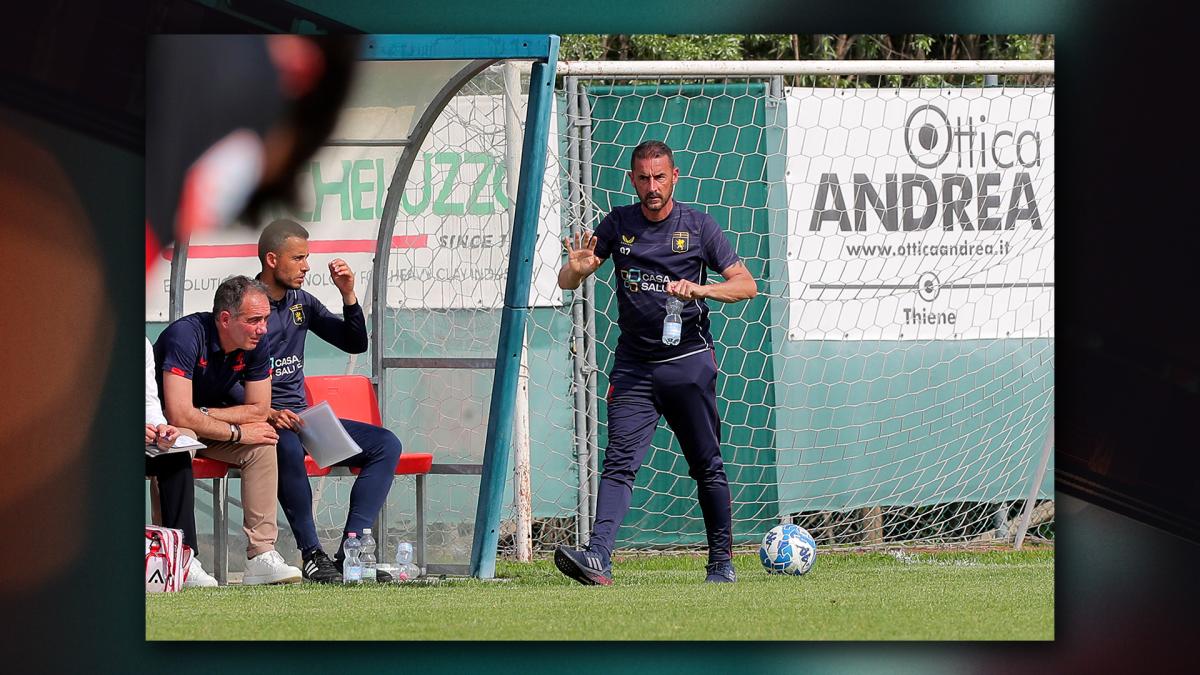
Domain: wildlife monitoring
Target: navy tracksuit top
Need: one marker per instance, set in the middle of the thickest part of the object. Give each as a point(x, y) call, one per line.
point(190, 348)
point(290, 320)
point(645, 257)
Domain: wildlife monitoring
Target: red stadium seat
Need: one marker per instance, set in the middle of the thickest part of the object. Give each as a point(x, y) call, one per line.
point(203, 469)
point(315, 471)
point(351, 396)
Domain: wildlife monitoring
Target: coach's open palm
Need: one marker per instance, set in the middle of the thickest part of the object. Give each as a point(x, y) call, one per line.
point(581, 257)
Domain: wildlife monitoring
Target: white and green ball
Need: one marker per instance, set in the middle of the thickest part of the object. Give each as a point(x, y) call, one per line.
point(788, 549)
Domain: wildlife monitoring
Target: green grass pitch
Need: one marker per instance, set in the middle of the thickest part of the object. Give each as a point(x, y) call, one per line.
point(993, 595)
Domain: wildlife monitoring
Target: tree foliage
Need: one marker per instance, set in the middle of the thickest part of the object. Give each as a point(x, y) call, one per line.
point(821, 47)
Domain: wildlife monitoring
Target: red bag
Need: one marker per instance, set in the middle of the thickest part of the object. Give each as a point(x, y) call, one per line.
point(167, 559)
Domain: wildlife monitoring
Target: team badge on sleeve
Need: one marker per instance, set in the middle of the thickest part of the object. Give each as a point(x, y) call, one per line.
point(297, 314)
point(680, 241)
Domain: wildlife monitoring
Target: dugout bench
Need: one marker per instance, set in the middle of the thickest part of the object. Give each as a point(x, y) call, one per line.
point(351, 397)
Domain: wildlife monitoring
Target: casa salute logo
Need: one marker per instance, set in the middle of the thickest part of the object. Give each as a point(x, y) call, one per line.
point(632, 279)
point(680, 242)
point(637, 280)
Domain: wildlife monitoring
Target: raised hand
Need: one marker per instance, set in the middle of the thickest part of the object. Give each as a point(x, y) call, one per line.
point(581, 257)
point(343, 277)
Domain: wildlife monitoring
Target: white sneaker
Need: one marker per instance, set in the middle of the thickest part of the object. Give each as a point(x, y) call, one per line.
point(197, 577)
point(269, 568)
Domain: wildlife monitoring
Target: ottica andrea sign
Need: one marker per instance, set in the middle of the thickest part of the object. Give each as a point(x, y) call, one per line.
point(921, 214)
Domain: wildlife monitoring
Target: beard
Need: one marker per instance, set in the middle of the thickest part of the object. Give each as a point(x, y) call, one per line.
point(656, 195)
point(288, 282)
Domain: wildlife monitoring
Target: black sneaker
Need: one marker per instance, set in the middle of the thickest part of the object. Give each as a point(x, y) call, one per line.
point(586, 567)
point(319, 568)
point(720, 572)
point(381, 576)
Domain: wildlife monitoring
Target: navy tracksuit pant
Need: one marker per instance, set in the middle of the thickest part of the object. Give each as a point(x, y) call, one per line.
point(684, 392)
point(380, 452)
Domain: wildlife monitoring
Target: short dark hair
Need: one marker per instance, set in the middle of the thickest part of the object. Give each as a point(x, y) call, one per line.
point(651, 149)
point(273, 236)
point(233, 291)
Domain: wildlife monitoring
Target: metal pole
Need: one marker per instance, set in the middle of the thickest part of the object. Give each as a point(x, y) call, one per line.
point(583, 504)
point(775, 91)
point(522, 498)
point(419, 550)
point(221, 529)
point(513, 318)
point(589, 307)
point(178, 275)
point(1033, 487)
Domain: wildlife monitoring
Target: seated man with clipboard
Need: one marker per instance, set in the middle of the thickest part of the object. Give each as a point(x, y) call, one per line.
point(283, 253)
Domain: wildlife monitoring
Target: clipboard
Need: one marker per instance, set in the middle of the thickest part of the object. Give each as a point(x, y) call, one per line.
point(324, 437)
point(182, 444)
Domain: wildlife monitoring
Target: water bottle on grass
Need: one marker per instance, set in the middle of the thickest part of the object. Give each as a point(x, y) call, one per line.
point(352, 570)
point(368, 556)
point(405, 569)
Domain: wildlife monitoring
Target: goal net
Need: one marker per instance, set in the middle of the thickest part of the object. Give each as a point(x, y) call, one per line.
point(893, 381)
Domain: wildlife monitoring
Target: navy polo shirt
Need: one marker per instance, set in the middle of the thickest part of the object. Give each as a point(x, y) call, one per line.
point(288, 324)
point(646, 256)
point(190, 348)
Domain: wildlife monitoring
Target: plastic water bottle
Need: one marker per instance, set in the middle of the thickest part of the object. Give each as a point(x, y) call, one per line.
point(405, 569)
point(673, 324)
point(368, 556)
point(352, 570)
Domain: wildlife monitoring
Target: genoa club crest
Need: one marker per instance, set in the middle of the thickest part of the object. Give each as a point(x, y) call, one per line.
point(297, 314)
point(679, 242)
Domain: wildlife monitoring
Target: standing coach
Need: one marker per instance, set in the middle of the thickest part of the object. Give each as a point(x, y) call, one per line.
point(661, 248)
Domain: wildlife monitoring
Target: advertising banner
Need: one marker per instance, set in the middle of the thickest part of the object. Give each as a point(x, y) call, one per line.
point(919, 214)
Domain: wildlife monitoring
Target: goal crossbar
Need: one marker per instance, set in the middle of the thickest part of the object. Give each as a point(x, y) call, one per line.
point(769, 68)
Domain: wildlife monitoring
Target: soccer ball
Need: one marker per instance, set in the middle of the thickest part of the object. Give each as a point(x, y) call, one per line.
point(788, 549)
